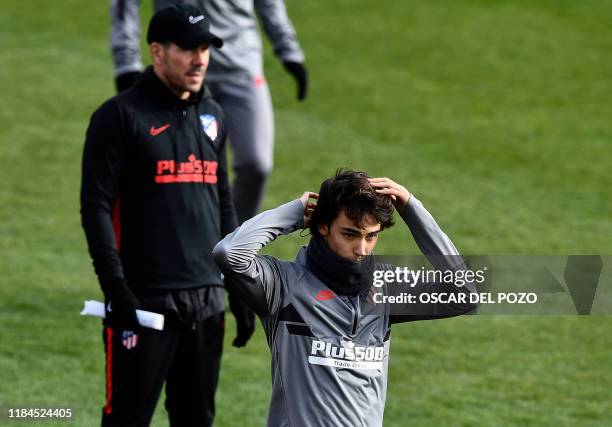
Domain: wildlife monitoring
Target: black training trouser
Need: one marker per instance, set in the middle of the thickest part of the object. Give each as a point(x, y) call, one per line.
point(187, 356)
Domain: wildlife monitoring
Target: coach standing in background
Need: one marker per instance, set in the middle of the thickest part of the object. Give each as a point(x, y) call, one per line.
point(155, 199)
point(235, 78)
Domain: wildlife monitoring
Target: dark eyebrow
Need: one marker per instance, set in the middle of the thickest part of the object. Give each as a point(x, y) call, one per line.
point(358, 232)
point(351, 230)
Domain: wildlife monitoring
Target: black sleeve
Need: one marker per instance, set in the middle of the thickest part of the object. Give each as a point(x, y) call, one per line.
point(262, 281)
point(103, 158)
point(227, 211)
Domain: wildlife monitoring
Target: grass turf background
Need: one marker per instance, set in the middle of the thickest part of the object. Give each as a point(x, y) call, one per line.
point(496, 114)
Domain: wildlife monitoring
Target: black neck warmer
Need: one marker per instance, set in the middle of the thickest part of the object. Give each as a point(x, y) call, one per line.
point(340, 275)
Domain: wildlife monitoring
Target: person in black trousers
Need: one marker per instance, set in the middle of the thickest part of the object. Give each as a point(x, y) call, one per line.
point(155, 199)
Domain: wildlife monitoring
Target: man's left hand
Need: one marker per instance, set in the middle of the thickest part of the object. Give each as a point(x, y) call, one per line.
point(245, 320)
point(299, 72)
point(398, 193)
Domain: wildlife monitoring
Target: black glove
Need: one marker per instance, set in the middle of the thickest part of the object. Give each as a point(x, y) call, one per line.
point(126, 80)
point(121, 312)
point(300, 73)
point(245, 320)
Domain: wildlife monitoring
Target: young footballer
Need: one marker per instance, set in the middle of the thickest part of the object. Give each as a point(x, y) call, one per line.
point(329, 341)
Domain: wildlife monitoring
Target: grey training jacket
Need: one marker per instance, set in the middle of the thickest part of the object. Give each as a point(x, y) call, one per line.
point(234, 21)
point(330, 353)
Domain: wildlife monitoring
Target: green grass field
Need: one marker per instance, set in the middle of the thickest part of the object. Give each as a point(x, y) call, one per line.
point(495, 113)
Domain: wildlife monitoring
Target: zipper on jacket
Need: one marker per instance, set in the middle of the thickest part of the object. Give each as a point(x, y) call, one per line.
point(355, 315)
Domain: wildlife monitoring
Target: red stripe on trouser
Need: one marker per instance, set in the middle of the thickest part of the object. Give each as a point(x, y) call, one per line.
point(108, 408)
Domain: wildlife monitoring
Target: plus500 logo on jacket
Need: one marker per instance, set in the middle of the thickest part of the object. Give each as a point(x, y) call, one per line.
point(193, 170)
point(349, 356)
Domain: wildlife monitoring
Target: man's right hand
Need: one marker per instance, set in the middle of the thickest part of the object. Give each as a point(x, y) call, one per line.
point(308, 206)
point(121, 305)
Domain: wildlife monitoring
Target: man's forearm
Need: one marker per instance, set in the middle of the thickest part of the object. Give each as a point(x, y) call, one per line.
point(125, 36)
point(236, 254)
point(279, 29)
point(429, 237)
point(227, 209)
point(238, 249)
point(102, 244)
point(441, 252)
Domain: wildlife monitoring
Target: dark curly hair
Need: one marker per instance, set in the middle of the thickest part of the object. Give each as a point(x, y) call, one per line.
point(350, 191)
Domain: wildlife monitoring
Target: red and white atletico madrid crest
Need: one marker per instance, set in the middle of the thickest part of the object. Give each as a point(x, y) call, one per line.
point(129, 339)
point(209, 124)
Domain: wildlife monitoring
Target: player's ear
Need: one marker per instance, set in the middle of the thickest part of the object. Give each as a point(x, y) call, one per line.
point(157, 53)
point(323, 230)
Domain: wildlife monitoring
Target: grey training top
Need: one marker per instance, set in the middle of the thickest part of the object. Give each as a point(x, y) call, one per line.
point(330, 354)
point(234, 21)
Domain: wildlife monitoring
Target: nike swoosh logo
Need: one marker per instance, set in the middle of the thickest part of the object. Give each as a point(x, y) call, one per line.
point(195, 19)
point(157, 131)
